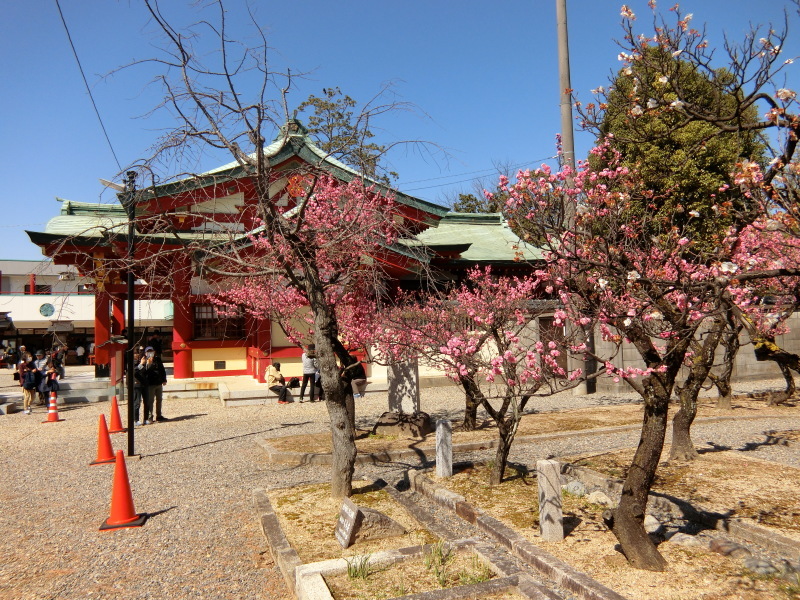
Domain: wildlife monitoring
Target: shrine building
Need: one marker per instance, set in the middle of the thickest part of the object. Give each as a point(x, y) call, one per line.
point(219, 206)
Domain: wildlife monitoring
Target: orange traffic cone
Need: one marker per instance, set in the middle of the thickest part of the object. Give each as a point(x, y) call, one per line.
point(116, 422)
point(52, 409)
point(105, 453)
point(122, 512)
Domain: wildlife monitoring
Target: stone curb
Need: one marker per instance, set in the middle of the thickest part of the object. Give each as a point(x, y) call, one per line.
point(544, 562)
point(664, 503)
point(424, 455)
point(282, 552)
point(306, 581)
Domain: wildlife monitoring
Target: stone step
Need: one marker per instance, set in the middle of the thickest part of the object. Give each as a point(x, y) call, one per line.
point(6, 408)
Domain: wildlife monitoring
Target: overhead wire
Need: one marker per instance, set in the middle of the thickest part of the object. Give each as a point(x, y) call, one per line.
point(86, 83)
point(487, 172)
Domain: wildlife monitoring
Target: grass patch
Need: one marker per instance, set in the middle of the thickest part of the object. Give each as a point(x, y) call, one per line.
point(439, 567)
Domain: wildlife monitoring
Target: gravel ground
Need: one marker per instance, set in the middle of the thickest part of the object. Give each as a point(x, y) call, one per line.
point(195, 479)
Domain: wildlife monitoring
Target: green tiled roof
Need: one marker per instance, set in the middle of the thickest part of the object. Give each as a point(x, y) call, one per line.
point(286, 145)
point(490, 238)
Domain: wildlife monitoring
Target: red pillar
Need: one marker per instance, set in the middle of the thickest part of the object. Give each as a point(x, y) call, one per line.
point(182, 322)
point(32, 283)
point(117, 315)
point(102, 328)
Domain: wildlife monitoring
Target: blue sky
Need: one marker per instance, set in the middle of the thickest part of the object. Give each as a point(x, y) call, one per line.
point(483, 76)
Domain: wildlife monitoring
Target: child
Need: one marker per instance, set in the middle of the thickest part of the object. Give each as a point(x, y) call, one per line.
point(27, 379)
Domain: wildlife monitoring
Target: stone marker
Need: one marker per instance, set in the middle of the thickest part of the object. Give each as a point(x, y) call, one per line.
point(403, 380)
point(551, 517)
point(357, 523)
point(345, 526)
point(444, 448)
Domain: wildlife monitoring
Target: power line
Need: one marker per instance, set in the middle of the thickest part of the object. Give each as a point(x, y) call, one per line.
point(86, 83)
point(486, 171)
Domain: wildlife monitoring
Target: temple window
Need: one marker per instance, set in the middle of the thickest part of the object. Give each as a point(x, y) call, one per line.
point(210, 324)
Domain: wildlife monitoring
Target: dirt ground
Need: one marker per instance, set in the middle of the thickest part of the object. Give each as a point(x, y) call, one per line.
point(531, 424)
point(764, 492)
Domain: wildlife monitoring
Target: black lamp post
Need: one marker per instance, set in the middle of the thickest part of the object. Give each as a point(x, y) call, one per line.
point(130, 209)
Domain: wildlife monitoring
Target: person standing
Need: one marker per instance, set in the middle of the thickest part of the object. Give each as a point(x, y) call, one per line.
point(155, 343)
point(58, 358)
point(152, 376)
point(276, 382)
point(80, 353)
point(40, 366)
point(310, 368)
point(137, 386)
point(27, 380)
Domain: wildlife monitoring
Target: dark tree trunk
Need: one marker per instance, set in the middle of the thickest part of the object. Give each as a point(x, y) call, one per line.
point(326, 338)
point(507, 429)
point(628, 517)
point(682, 448)
point(627, 520)
point(767, 349)
point(777, 398)
point(722, 381)
point(472, 400)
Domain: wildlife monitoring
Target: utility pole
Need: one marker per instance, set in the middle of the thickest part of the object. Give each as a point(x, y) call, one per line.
point(568, 149)
point(564, 84)
point(130, 209)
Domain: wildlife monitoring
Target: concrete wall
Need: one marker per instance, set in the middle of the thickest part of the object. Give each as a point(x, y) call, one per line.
point(746, 367)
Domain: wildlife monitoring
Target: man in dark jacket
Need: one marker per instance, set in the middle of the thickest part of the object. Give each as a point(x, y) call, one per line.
point(152, 375)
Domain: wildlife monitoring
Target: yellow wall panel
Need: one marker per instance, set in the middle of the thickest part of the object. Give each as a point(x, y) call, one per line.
point(203, 358)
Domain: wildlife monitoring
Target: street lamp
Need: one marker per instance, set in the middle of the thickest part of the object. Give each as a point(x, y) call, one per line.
point(128, 193)
point(129, 201)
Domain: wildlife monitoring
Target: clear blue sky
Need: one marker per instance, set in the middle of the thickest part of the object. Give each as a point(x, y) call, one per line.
point(483, 73)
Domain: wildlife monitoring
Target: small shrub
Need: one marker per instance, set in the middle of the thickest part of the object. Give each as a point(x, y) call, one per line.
point(358, 567)
point(479, 573)
point(437, 561)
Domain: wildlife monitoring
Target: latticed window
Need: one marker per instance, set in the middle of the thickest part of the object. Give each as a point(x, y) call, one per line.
point(210, 324)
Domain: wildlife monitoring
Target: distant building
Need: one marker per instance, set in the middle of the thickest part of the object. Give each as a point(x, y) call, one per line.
point(42, 304)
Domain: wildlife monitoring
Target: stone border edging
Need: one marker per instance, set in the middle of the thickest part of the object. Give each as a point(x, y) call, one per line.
point(306, 581)
point(762, 536)
point(427, 454)
point(282, 552)
point(557, 570)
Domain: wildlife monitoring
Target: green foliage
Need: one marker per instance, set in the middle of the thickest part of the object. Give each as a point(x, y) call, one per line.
point(470, 203)
point(683, 161)
point(437, 560)
point(358, 567)
point(345, 134)
point(479, 573)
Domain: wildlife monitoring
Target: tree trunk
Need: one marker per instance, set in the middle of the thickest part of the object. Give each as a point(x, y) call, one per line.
point(506, 432)
point(682, 446)
point(723, 380)
point(628, 517)
point(776, 398)
point(472, 399)
point(326, 338)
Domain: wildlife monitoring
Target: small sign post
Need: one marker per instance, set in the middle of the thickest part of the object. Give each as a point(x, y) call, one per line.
point(349, 517)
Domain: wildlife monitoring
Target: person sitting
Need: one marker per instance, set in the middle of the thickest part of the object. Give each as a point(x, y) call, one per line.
point(276, 382)
point(355, 374)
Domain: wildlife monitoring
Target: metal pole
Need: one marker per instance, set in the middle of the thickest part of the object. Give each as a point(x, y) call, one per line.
point(130, 207)
point(568, 148)
point(567, 138)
